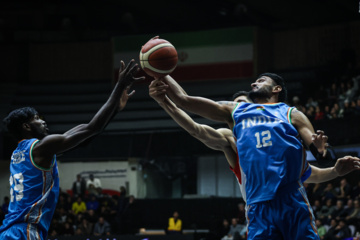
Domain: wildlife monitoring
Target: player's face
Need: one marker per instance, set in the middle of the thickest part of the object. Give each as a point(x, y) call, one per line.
point(38, 127)
point(261, 88)
point(242, 99)
point(261, 83)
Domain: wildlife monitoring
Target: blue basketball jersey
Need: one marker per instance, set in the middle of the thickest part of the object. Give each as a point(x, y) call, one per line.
point(34, 192)
point(271, 154)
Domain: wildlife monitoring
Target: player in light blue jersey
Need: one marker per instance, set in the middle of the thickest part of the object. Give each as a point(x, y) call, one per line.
point(34, 178)
point(271, 156)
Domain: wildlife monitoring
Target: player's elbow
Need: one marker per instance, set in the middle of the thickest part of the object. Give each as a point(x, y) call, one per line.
point(181, 101)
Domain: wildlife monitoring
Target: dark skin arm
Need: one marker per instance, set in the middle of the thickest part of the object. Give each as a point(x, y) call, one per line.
point(45, 149)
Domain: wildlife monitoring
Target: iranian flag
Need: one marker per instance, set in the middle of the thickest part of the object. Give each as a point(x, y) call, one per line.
point(203, 55)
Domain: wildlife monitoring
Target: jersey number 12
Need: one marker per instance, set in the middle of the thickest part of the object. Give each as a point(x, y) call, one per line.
point(265, 137)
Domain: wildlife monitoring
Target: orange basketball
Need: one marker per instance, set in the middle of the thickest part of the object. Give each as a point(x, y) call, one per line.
point(158, 57)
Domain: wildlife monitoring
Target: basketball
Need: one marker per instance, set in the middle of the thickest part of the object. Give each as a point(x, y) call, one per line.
point(158, 57)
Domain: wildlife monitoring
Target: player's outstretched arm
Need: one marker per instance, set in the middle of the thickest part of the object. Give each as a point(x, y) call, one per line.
point(215, 139)
point(342, 167)
point(317, 142)
point(56, 143)
point(217, 111)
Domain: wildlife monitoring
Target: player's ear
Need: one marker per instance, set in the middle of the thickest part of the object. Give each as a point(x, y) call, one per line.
point(26, 127)
point(277, 89)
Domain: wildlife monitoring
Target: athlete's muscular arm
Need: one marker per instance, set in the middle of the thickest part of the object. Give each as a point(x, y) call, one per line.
point(217, 111)
point(342, 167)
point(219, 139)
point(56, 143)
point(306, 130)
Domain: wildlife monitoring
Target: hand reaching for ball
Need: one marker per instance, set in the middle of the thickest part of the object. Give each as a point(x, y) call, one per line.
point(157, 90)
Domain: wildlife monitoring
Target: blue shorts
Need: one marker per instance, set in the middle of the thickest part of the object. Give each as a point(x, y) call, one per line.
point(22, 231)
point(288, 216)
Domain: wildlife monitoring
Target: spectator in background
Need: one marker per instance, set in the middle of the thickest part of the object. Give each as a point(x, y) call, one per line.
point(319, 114)
point(316, 206)
point(344, 190)
point(320, 228)
point(68, 229)
point(327, 112)
point(349, 207)
point(86, 227)
point(78, 206)
point(339, 208)
point(354, 217)
point(79, 187)
point(235, 230)
point(336, 111)
point(122, 191)
point(311, 103)
point(91, 216)
point(93, 185)
point(352, 88)
point(63, 203)
point(175, 224)
point(355, 193)
point(102, 227)
point(310, 113)
point(342, 230)
point(5, 205)
point(329, 192)
point(241, 217)
point(225, 228)
point(296, 103)
point(93, 203)
point(131, 217)
point(325, 212)
point(333, 94)
point(330, 234)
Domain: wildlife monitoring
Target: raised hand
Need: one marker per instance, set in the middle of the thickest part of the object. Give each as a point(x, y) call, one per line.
point(157, 90)
point(126, 74)
point(346, 165)
point(125, 97)
point(319, 139)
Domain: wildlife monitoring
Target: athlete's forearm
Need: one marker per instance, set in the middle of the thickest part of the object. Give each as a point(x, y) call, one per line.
point(204, 107)
point(319, 175)
point(179, 116)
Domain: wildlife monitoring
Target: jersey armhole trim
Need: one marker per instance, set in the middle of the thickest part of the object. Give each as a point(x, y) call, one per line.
point(33, 162)
point(289, 115)
point(232, 115)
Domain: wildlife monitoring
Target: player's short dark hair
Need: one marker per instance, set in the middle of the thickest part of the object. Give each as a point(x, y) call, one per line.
point(238, 94)
point(279, 81)
point(16, 118)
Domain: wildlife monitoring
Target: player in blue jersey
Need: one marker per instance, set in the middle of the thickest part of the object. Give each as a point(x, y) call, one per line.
point(270, 154)
point(222, 139)
point(34, 179)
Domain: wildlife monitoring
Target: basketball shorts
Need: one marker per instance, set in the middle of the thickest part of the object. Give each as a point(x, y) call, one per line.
point(22, 231)
point(288, 216)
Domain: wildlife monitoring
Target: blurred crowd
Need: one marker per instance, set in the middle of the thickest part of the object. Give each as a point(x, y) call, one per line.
point(336, 209)
point(340, 99)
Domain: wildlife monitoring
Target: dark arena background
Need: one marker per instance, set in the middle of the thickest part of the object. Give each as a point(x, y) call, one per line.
point(62, 57)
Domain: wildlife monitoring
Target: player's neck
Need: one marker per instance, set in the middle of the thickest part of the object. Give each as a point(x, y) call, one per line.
point(272, 99)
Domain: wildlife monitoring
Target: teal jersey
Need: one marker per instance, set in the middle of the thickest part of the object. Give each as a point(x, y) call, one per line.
point(270, 152)
point(34, 192)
